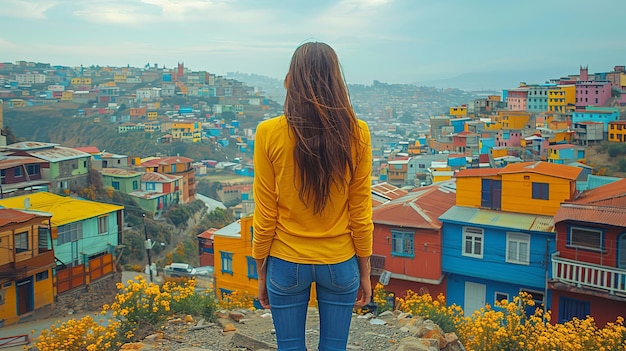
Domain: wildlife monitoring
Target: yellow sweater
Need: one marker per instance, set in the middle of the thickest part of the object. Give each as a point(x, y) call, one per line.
point(284, 227)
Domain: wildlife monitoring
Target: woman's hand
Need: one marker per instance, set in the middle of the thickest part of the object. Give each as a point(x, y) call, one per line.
point(263, 299)
point(365, 289)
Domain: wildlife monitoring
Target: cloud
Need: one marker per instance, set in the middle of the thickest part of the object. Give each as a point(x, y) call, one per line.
point(26, 9)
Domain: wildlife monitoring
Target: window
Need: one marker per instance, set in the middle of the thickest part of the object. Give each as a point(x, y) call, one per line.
point(500, 296)
point(21, 242)
point(491, 194)
point(473, 242)
point(17, 172)
point(32, 169)
point(518, 248)
point(252, 274)
point(402, 243)
point(103, 225)
point(541, 191)
point(116, 185)
point(135, 185)
point(585, 238)
point(69, 233)
point(227, 262)
point(41, 276)
point(150, 186)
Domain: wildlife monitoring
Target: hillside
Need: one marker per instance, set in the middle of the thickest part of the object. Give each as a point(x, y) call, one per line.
point(56, 124)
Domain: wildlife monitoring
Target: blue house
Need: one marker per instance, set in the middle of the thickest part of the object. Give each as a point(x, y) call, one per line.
point(493, 255)
point(597, 114)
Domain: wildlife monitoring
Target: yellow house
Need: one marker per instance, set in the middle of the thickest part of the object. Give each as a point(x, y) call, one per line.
point(189, 131)
point(458, 110)
point(153, 114)
point(512, 119)
point(527, 187)
point(119, 78)
point(235, 269)
point(80, 81)
point(26, 262)
point(562, 98)
point(67, 95)
point(617, 131)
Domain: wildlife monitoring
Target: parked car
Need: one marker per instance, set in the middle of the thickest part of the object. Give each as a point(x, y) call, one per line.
point(182, 270)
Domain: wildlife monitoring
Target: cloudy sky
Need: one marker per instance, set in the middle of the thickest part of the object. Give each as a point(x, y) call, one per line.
point(394, 41)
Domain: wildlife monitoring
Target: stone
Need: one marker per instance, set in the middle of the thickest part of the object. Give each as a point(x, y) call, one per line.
point(236, 316)
point(229, 328)
point(189, 319)
point(376, 321)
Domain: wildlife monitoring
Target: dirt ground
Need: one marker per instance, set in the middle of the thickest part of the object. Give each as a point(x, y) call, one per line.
point(603, 160)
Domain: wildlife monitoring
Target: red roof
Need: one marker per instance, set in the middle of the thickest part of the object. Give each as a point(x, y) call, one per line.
point(546, 168)
point(10, 216)
point(591, 214)
point(562, 146)
point(478, 172)
point(207, 234)
point(419, 209)
point(617, 122)
point(612, 194)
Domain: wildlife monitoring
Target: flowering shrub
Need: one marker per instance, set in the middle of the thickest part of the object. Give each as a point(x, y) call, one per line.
point(507, 326)
point(138, 308)
point(236, 300)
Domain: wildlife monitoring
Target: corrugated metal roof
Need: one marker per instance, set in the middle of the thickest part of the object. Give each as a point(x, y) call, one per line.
point(500, 219)
point(58, 154)
point(232, 230)
point(418, 209)
point(64, 209)
point(9, 216)
point(612, 194)
point(31, 145)
point(14, 161)
point(159, 177)
point(389, 191)
point(591, 214)
point(120, 172)
point(165, 161)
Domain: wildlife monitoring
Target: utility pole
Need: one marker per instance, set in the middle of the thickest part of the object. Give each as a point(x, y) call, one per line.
point(148, 245)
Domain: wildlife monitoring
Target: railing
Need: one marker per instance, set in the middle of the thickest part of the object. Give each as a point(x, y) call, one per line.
point(14, 340)
point(589, 275)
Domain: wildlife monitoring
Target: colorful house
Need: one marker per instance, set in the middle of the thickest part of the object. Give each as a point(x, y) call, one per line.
point(502, 223)
point(174, 165)
point(597, 114)
point(562, 98)
point(407, 240)
point(124, 180)
point(26, 263)
point(19, 174)
point(84, 233)
point(158, 192)
point(235, 268)
point(588, 275)
point(565, 153)
point(617, 131)
point(66, 168)
point(187, 131)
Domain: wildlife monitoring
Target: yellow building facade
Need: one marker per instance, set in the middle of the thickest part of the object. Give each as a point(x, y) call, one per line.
point(617, 131)
point(80, 81)
point(458, 111)
point(527, 187)
point(187, 131)
point(562, 98)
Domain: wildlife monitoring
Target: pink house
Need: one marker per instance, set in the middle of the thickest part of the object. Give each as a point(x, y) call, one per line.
point(509, 138)
point(517, 99)
point(591, 93)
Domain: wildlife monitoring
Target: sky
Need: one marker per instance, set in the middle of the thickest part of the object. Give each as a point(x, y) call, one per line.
point(392, 41)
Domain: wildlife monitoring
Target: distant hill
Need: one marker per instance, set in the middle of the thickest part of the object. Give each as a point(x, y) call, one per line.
point(495, 81)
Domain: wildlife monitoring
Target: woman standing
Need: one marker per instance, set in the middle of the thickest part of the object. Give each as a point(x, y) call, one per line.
point(313, 207)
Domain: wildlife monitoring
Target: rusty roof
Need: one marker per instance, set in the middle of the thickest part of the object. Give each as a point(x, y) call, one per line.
point(389, 191)
point(11, 216)
point(418, 209)
point(562, 146)
point(612, 194)
point(546, 168)
point(591, 214)
point(14, 161)
point(159, 177)
point(120, 172)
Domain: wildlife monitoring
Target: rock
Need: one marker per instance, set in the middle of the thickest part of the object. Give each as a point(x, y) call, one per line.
point(249, 343)
point(411, 343)
point(236, 316)
point(229, 328)
point(376, 321)
point(188, 319)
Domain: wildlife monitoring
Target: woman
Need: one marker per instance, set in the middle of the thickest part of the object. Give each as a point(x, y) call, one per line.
point(313, 208)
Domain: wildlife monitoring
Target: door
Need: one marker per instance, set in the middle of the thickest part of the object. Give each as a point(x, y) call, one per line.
point(24, 296)
point(570, 308)
point(474, 297)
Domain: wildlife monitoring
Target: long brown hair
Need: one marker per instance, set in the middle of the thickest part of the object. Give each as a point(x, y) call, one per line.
point(319, 114)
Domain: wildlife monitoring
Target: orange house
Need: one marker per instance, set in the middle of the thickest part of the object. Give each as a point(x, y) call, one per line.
point(138, 112)
point(176, 165)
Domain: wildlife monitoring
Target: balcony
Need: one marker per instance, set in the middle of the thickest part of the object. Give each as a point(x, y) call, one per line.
point(585, 275)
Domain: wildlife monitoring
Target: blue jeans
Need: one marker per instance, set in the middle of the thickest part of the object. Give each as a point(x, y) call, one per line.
point(288, 289)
